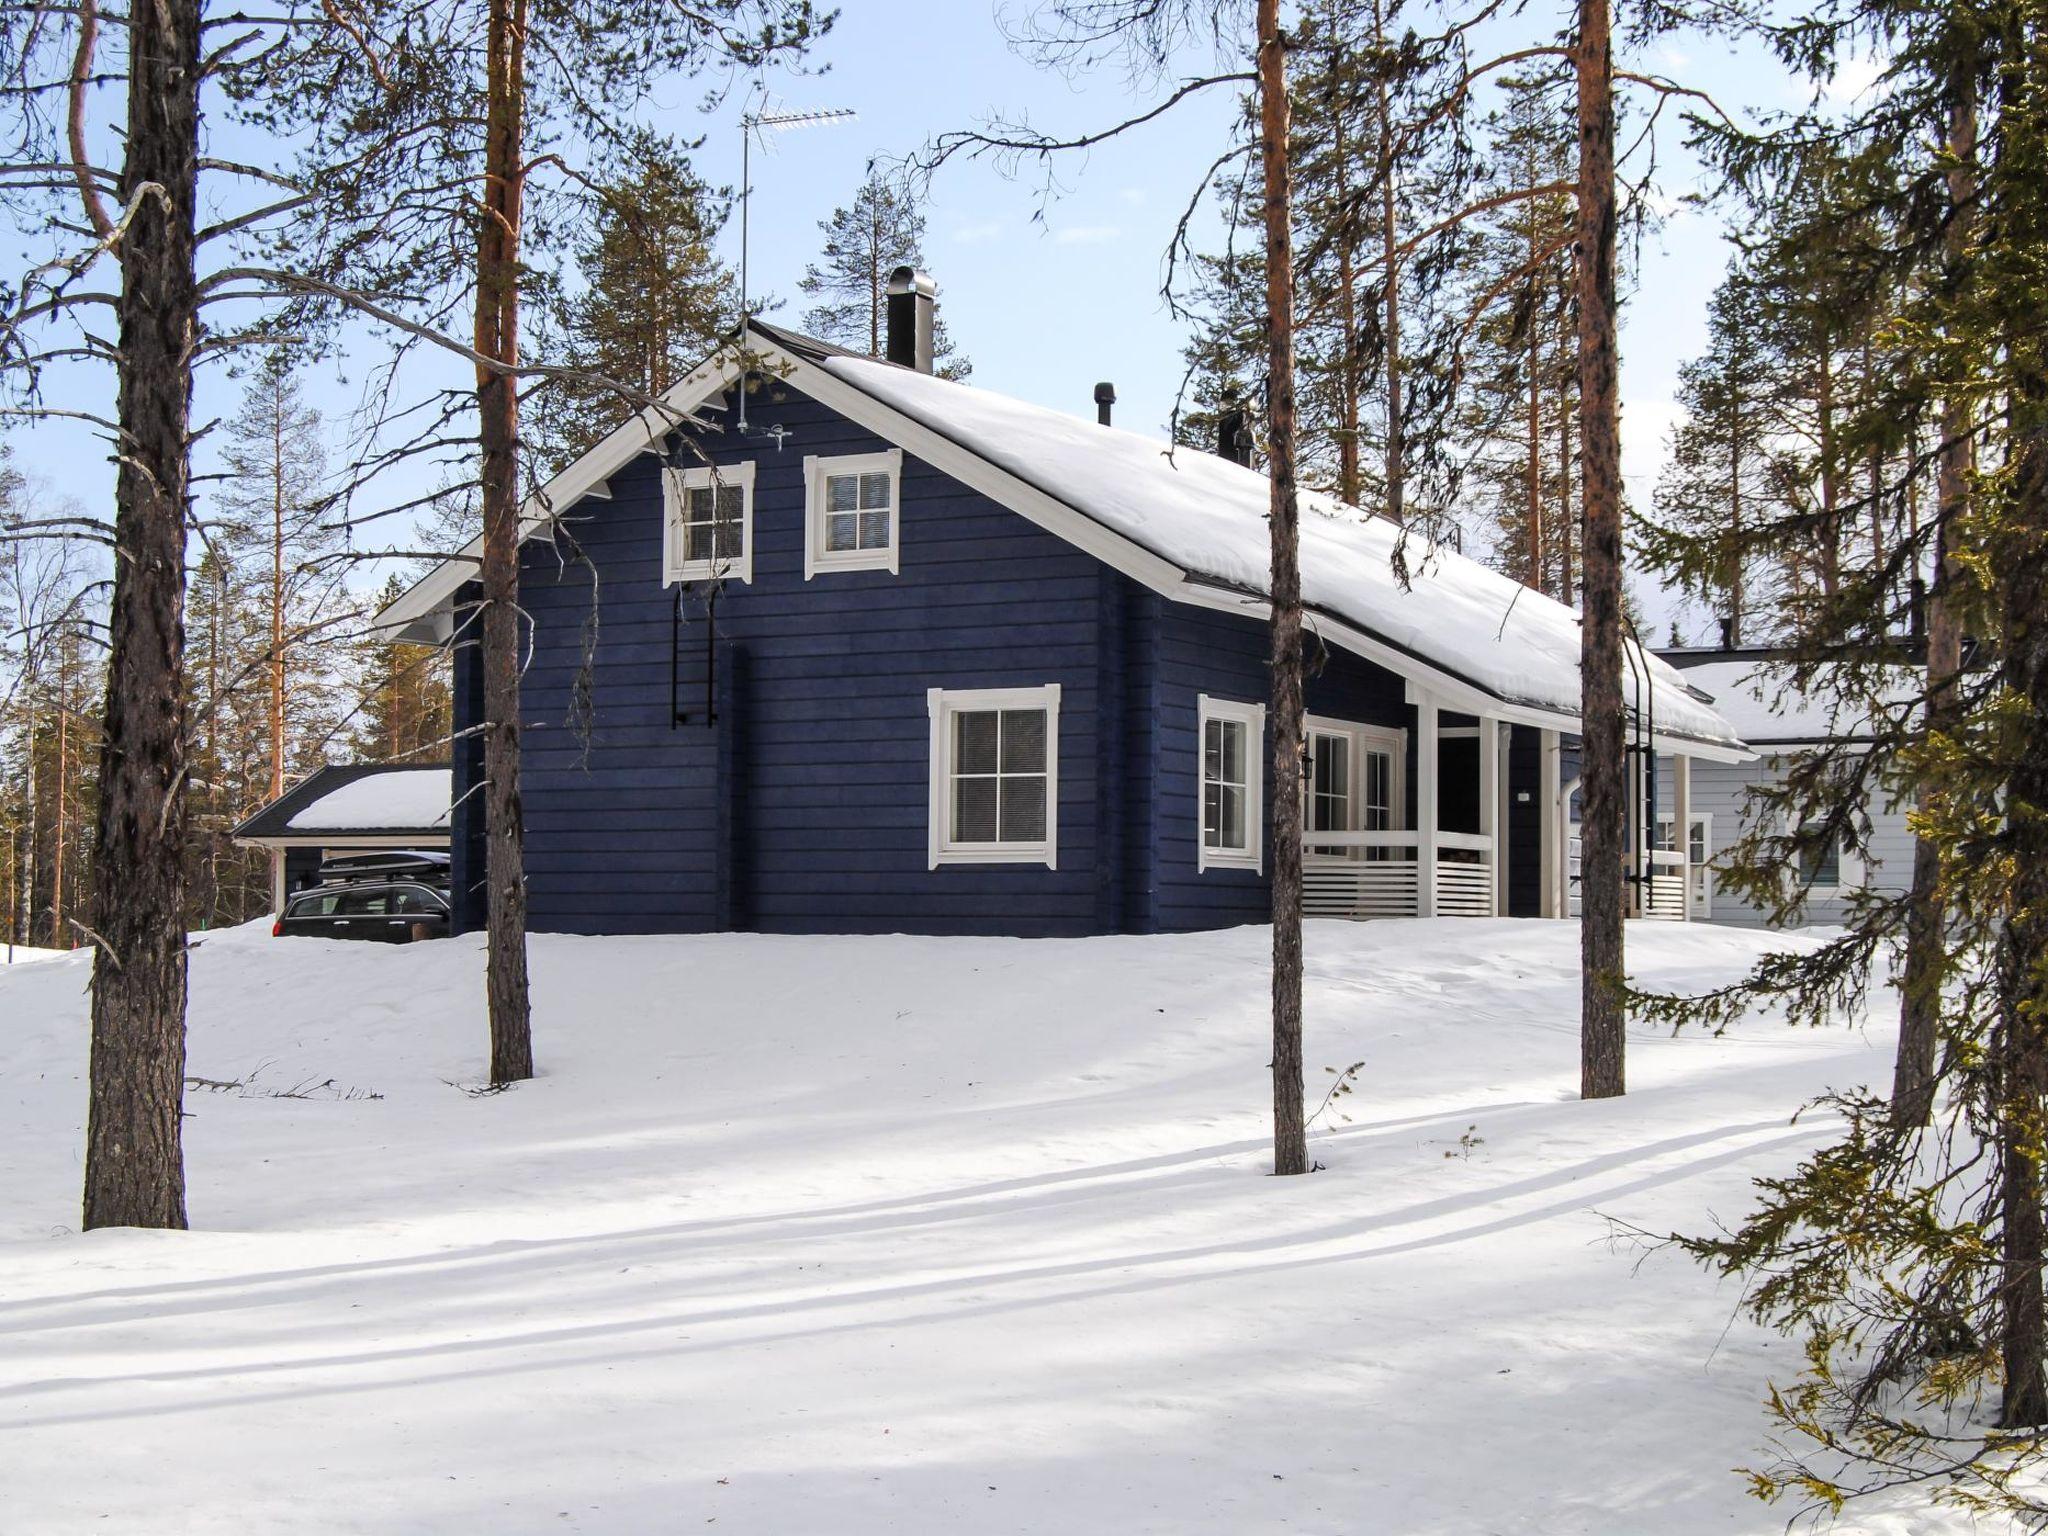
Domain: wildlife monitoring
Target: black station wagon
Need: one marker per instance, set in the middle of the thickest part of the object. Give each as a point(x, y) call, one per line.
point(385, 898)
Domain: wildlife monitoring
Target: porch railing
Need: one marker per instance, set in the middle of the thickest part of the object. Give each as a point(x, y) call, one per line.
point(1379, 874)
point(1665, 895)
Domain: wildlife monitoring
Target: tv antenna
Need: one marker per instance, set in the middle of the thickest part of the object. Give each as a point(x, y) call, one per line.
point(764, 123)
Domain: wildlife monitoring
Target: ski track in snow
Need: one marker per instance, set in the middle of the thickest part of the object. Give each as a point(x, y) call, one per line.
point(905, 1234)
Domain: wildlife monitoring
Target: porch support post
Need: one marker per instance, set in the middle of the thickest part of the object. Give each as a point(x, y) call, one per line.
point(1632, 843)
point(1489, 796)
point(1550, 823)
point(277, 891)
point(1681, 831)
point(1426, 818)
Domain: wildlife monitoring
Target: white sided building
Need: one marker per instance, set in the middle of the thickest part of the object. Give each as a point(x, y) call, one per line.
point(1751, 690)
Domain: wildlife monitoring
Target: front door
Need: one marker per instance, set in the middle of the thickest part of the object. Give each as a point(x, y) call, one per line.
point(1354, 780)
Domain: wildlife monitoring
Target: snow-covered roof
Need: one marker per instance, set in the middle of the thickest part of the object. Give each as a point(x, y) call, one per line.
point(1190, 524)
point(405, 799)
point(1755, 695)
point(1207, 515)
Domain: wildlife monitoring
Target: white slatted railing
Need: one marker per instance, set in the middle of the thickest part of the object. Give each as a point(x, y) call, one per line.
point(1362, 875)
point(1665, 893)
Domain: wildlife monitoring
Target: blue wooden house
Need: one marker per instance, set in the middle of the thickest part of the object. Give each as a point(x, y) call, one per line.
point(828, 644)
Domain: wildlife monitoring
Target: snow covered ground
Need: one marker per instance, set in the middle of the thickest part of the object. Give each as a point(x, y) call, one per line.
point(855, 1235)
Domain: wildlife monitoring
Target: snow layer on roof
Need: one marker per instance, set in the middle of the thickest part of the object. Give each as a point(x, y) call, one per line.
point(406, 799)
point(1758, 699)
point(1208, 516)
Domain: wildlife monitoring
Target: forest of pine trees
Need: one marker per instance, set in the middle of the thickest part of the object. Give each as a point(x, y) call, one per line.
point(1415, 294)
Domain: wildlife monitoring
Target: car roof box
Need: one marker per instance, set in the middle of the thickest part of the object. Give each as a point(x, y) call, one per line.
point(419, 864)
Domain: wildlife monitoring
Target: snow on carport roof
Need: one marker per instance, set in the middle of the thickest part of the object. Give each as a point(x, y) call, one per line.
point(1208, 516)
point(405, 799)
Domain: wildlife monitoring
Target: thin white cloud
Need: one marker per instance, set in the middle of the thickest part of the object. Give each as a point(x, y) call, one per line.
point(978, 233)
point(1086, 234)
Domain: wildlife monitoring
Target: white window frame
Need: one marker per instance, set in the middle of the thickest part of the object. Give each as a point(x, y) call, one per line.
point(817, 468)
point(1850, 875)
point(1253, 718)
point(943, 704)
point(675, 483)
point(1388, 739)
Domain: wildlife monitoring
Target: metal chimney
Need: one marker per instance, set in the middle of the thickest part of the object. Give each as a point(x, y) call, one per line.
point(1233, 435)
point(911, 293)
point(1105, 397)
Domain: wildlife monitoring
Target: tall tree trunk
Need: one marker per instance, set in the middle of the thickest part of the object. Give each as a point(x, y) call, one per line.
point(1830, 491)
point(2023, 959)
point(57, 925)
point(1602, 1022)
point(1533, 487)
point(1567, 578)
point(1290, 1136)
point(134, 1157)
point(1926, 963)
point(497, 338)
point(1348, 487)
point(1390, 299)
point(1735, 595)
point(277, 487)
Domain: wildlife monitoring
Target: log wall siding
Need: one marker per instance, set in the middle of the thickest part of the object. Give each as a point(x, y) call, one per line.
point(794, 796)
point(803, 807)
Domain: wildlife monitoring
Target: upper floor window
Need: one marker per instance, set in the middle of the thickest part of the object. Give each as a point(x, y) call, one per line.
point(995, 775)
point(850, 512)
point(1231, 735)
point(709, 517)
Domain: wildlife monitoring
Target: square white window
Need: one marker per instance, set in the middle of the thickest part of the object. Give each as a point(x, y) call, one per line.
point(1232, 745)
point(708, 521)
point(1830, 870)
point(850, 512)
point(995, 775)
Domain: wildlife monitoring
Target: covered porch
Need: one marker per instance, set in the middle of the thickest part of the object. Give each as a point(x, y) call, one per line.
point(1473, 814)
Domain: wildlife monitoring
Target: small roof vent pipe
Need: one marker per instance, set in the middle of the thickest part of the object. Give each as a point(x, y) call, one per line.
point(911, 295)
point(1105, 397)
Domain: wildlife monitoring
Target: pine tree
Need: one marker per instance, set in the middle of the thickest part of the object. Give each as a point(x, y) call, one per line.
point(1520, 393)
point(653, 302)
point(406, 711)
point(880, 230)
point(275, 528)
point(1908, 1255)
point(1725, 471)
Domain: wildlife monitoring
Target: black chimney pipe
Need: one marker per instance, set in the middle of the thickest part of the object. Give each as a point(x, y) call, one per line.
point(1105, 397)
point(1233, 435)
point(911, 293)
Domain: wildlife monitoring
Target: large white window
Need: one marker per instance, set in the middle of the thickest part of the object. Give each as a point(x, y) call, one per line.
point(995, 775)
point(850, 521)
point(1232, 738)
point(709, 521)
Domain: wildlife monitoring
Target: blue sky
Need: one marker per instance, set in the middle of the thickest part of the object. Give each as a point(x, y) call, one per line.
point(1049, 295)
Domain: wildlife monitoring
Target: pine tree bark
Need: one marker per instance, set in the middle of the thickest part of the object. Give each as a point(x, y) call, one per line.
point(134, 1156)
point(277, 489)
point(1926, 959)
point(1602, 1023)
point(497, 338)
point(2023, 961)
point(1396, 471)
point(1290, 1136)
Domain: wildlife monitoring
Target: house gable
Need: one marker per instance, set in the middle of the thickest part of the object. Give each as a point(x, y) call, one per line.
point(793, 791)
